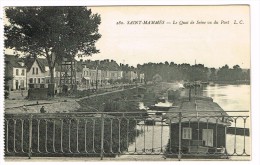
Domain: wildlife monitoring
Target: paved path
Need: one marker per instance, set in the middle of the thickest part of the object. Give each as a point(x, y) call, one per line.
point(143, 158)
point(89, 159)
point(19, 102)
point(55, 105)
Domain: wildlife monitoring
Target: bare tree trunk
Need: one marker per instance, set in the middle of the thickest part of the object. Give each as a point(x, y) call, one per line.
point(51, 63)
point(52, 80)
point(51, 86)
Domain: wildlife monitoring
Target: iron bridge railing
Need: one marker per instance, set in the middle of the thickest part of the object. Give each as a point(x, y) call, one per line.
point(204, 134)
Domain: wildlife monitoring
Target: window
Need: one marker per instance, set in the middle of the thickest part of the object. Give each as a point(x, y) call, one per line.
point(17, 72)
point(31, 80)
point(33, 71)
point(34, 80)
point(17, 84)
point(207, 137)
point(22, 72)
point(36, 70)
point(186, 133)
point(22, 83)
point(39, 80)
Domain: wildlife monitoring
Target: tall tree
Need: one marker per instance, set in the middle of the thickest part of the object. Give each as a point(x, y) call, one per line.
point(52, 32)
point(223, 73)
point(212, 76)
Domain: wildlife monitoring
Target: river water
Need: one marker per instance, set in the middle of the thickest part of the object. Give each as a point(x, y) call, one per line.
point(229, 97)
point(233, 98)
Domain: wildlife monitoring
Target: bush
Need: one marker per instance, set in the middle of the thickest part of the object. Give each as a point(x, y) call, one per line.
point(80, 136)
point(7, 94)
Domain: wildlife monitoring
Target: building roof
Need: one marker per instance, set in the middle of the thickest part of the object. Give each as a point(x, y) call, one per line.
point(42, 63)
point(201, 109)
point(79, 66)
point(110, 65)
point(104, 65)
point(13, 61)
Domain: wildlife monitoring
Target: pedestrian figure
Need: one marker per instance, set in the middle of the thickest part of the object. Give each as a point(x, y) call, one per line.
point(22, 93)
point(25, 108)
point(42, 110)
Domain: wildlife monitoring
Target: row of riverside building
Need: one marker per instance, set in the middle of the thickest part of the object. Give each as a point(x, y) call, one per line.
point(23, 72)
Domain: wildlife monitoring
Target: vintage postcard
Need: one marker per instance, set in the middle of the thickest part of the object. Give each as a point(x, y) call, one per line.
point(127, 83)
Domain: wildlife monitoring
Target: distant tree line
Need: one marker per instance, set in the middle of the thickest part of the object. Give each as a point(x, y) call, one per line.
point(232, 74)
point(172, 72)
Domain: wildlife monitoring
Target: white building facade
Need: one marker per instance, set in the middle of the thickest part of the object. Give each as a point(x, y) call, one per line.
point(38, 73)
point(19, 78)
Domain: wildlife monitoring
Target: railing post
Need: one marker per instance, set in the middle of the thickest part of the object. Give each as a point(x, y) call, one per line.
point(179, 153)
point(30, 137)
point(102, 137)
point(225, 140)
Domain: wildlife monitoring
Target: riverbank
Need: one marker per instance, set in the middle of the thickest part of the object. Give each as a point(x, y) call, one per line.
point(62, 104)
point(238, 82)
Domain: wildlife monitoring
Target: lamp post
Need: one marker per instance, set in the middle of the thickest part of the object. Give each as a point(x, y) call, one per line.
point(190, 85)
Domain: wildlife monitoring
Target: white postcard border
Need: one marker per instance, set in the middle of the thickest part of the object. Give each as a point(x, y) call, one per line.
point(255, 63)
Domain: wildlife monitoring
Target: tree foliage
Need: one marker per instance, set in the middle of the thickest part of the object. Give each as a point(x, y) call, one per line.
point(198, 72)
point(52, 32)
point(232, 74)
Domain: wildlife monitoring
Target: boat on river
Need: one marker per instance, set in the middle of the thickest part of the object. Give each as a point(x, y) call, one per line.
point(160, 107)
point(203, 124)
point(163, 105)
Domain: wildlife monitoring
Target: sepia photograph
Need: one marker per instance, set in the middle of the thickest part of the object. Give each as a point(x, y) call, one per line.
point(127, 83)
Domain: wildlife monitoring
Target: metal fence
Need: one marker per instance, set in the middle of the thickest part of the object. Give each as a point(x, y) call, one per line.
point(180, 135)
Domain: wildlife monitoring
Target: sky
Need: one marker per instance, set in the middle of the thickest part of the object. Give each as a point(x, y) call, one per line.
point(213, 45)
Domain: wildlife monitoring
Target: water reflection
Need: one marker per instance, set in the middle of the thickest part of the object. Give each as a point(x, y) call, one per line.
point(229, 97)
point(151, 137)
